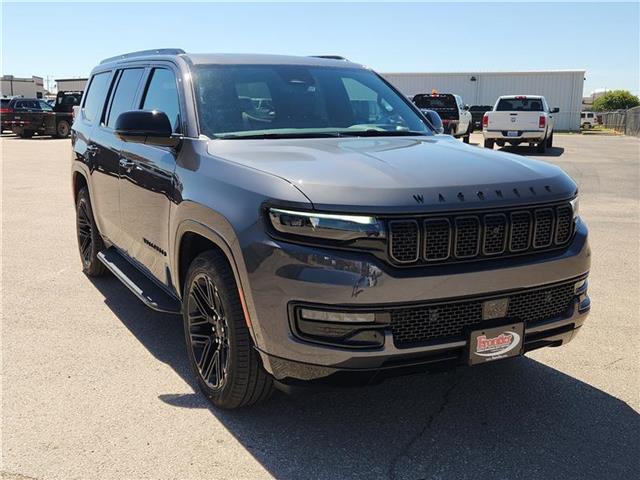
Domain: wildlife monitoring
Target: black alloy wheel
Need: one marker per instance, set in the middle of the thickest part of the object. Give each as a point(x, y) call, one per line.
point(208, 331)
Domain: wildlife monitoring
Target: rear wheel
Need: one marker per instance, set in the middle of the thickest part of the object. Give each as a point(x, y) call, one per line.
point(63, 129)
point(550, 141)
point(541, 147)
point(489, 144)
point(220, 349)
point(89, 239)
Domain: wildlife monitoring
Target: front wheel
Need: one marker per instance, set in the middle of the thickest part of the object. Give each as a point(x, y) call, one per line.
point(220, 349)
point(489, 144)
point(26, 134)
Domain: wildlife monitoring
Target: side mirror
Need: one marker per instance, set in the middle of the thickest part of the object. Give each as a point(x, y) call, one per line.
point(434, 120)
point(554, 110)
point(146, 126)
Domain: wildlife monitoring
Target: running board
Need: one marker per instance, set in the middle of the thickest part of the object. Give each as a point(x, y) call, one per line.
point(142, 287)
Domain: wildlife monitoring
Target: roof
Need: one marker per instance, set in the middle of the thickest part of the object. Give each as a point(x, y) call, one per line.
point(71, 79)
point(262, 59)
point(230, 58)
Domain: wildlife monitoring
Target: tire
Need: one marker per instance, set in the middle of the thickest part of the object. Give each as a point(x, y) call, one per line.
point(541, 147)
point(213, 318)
point(489, 144)
point(465, 139)
point(26, 134)
point(63, 129)
point(550, 141)
point(89, 239)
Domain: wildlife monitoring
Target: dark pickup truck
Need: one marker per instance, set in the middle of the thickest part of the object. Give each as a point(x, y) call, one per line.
point(28, 116)
point(455, 116)
point(477, 112)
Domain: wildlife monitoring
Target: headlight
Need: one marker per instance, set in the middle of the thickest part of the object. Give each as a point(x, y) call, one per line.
point(575, 206)
point(325, 225)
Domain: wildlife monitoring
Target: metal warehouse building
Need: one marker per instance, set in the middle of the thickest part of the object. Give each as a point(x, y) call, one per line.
point(562, 88)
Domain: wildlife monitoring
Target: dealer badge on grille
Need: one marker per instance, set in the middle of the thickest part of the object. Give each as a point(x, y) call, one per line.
point(496, 308)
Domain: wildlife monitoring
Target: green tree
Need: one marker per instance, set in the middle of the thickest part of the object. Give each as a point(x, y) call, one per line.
point(615, 100)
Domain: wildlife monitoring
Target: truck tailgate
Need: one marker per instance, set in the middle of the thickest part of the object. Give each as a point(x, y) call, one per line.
point(528, 121)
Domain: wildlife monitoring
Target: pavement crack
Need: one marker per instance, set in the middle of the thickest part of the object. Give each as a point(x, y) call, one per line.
point(404, 450)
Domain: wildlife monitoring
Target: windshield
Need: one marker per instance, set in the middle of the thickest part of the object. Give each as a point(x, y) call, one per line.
point(519, 105)
point(270, 101)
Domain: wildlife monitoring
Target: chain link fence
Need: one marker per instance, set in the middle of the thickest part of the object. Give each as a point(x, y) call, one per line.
point(625, 121)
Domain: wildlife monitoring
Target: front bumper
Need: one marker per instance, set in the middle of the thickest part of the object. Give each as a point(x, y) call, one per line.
point(523, 135)
point(280, 273)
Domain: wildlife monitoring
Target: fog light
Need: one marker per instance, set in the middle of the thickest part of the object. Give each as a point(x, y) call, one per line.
point(338, 317)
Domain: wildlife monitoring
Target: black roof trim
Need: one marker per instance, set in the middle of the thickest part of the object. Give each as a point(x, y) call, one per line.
point(142, 53)
point(330, 57)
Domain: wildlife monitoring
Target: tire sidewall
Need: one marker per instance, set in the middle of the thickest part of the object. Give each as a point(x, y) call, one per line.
point(68, 129)
point(205, 265)
point(93, 265)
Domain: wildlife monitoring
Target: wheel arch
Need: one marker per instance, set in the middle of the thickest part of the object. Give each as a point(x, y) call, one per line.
point(193, 238)
point(78, 181)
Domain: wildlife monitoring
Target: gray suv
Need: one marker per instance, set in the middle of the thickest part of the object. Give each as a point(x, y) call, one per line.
point(311, 228)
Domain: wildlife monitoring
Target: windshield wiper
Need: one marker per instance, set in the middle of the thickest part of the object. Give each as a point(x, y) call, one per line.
point(281, 135)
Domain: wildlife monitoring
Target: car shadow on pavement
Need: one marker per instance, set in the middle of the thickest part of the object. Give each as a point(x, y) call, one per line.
point(527, 151)
point(516, 419)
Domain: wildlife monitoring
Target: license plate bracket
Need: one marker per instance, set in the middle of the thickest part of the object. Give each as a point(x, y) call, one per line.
point(495, 343)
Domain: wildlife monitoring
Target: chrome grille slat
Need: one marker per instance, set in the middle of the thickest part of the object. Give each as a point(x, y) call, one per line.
point(466, 237)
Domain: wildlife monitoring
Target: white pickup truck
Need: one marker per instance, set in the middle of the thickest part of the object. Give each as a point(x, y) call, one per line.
point(517, 119)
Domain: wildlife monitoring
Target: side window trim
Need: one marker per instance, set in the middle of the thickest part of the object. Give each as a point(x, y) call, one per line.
point(112, 91)
point(146, 83)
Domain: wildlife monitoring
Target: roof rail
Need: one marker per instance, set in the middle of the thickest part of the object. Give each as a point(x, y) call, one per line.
point(155, 51)
point(330, 57)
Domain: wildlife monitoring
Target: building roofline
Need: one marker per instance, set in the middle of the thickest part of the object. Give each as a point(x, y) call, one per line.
point(522, 72)
point(71, 79)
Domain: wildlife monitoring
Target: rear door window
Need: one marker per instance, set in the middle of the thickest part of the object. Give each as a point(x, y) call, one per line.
point(124, 95)
point(162, 95)
point(95, 95)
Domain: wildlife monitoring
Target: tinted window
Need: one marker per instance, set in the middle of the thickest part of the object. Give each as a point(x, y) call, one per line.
point(435, 101)
point(95, 95)
point(124, 94)
point(162, 95)
point(519, 105)
point(242, 100)
point(27, 104)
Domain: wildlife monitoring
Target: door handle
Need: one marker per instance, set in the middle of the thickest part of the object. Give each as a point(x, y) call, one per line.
point(127, 164)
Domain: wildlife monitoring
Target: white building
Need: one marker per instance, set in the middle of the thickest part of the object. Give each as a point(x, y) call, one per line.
point(11, 86)
point(562, 88)
point(71, 84)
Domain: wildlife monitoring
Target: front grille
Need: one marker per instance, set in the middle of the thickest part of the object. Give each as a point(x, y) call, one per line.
point(417, 325)
point(404, 240)
point(464, 237)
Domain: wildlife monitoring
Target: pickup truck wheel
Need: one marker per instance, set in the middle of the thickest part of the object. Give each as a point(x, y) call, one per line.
point(220, 349)
point(489, 144)
point(63, 129)
point(550, 141)
point(541, 147)
point(89, 239)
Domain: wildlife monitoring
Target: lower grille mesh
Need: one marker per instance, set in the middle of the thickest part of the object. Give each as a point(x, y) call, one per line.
point(413, 326)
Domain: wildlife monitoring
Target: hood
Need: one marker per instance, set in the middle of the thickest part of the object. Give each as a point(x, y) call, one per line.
point(409, 173)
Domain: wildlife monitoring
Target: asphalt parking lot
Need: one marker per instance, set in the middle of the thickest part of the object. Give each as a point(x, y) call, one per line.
point(94, 385)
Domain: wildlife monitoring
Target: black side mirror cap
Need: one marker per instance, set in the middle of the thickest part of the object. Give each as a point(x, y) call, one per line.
point(151, 127)
point(434, 120)
point(555, 110)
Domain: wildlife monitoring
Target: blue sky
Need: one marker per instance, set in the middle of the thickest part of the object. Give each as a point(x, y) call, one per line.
point(67, 40)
